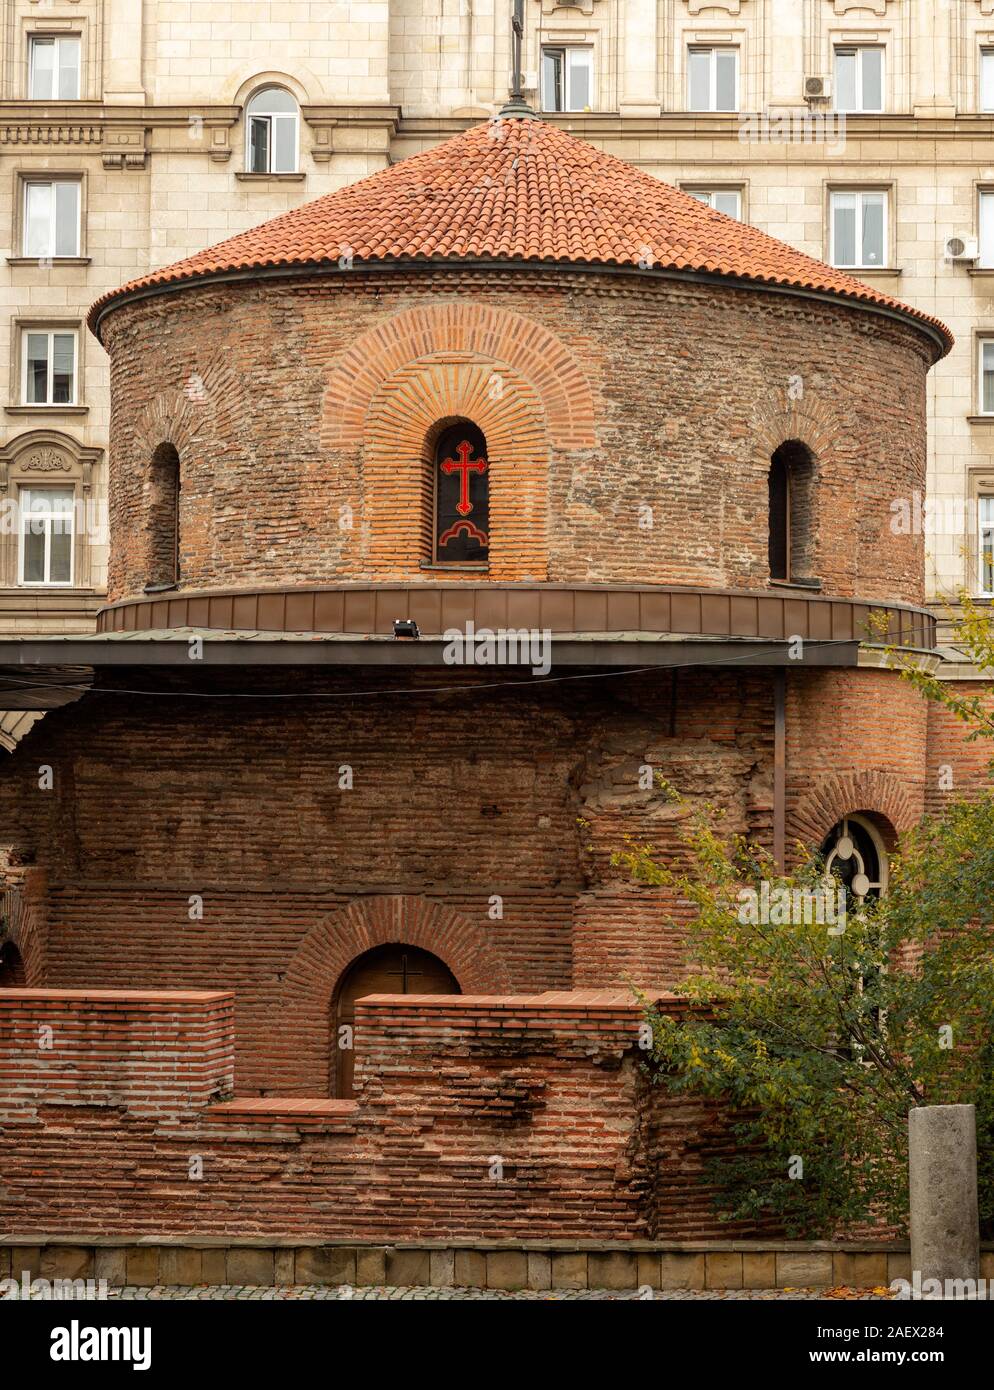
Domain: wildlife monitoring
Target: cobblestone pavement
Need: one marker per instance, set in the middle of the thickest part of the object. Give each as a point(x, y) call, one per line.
point(315, 1291)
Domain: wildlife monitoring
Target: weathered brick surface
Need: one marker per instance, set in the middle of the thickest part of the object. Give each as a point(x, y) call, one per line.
point(957, 767)
point(490, 1117)
point(156, 802)
point(150, 1054)
point(598, 396)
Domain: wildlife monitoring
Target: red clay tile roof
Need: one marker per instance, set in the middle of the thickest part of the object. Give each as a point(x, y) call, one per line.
point(517, 190)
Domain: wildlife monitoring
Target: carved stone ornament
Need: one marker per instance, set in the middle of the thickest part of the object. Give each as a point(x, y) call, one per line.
point(46, 461)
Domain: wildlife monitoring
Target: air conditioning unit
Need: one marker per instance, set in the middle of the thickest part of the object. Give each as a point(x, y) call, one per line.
point(529, 81)
point(817, 88)
point(962, 248)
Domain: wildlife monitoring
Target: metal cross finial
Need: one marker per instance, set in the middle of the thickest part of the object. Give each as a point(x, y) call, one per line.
point(517, 33)
point(516, 106)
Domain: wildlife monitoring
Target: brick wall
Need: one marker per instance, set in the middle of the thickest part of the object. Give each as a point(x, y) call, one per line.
point(170, 802)
point(957, 767)
point(658, 400)
point(477, 1117)
point(153, 1054)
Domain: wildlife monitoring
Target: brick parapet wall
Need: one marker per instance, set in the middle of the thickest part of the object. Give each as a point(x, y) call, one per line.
point(155, 1053)
point(476, 1117)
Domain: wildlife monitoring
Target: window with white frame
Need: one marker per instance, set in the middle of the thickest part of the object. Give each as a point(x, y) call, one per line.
point(46, 535)
point(858, 230)
point(985, 226)
point(51, 217)
point(53, 67)
point(985, 516)
point(987, 79)
point(48, 366)
point(712, 79)
point(567, 79)
point(726, 200)
point(985, 403)
point(859, 78)
point(273, 132)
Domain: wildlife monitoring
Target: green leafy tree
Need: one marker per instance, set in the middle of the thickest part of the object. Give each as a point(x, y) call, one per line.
point(820, 1035)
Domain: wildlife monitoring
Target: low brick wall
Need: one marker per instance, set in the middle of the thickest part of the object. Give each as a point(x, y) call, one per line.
point(477, 1119)
point(151, 1052)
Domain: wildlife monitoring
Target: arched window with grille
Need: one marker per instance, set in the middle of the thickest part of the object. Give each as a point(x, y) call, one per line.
point(462, 495)
point(855, 856)
point(272, 133)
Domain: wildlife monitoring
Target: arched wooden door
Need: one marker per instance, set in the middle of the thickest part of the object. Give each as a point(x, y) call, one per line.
point(394, 969)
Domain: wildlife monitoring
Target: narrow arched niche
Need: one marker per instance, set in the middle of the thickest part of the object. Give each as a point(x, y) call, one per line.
point(164, 517)
point(792, 515)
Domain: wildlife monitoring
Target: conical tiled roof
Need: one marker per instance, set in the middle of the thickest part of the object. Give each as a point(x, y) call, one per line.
point(518, 190)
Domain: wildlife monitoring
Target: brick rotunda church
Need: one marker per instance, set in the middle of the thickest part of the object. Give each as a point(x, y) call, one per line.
point(509, 382)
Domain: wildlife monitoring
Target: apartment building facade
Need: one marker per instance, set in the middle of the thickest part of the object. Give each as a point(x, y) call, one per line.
point(135, 132)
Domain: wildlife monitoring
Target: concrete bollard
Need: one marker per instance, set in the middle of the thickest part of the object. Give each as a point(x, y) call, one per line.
point(942, 1163)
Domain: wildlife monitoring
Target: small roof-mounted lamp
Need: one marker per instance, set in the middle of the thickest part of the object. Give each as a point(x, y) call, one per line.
point(406, 628)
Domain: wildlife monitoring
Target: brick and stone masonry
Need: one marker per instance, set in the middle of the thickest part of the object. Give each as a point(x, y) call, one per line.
point(272, 432)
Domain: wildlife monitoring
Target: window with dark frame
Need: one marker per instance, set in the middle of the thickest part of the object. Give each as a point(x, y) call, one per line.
point(462, 496)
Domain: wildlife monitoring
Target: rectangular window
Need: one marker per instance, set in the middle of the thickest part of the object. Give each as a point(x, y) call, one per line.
point(713, 79)
point(53, 68)
point(49, 367)
point(51, 218)
point(46, 535)
point(985, 513)
point(986, 403)
point(859, 230)
point(859, 79)
point(726, 200)
point(567, 79)
point(985, 224)
point(987, 79)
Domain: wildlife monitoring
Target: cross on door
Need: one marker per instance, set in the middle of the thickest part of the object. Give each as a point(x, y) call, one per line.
point(405, 973)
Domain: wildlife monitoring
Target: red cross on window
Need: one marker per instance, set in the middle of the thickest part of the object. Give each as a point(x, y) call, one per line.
point(464, 466)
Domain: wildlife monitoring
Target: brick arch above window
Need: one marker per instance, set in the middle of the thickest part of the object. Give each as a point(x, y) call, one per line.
point(811, 421)
point(882, 797)
point(209, 402)
point(401, 425)
point(476, 332)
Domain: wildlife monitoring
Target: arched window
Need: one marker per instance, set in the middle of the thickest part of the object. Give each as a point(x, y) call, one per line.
point(855, 855)
point(164, 517)
point(462, 495)
point(272, 132)
point(856, 858)
point(791, 512)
